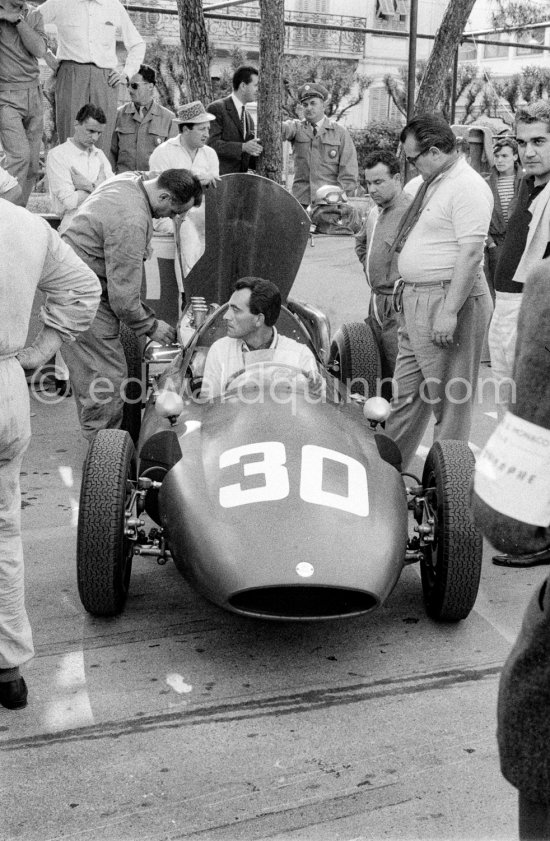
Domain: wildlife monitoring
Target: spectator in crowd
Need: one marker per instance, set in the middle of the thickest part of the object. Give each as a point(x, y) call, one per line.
point(504, 182)
point(252, 313)
point(86, 60)
point(189, 151)
point(141, 125)
point(10, 189)
point(232, 136)
point(323, 150)
point(526, 243)
point(76, 167)
point(383, 182)
point(444, 296)
point(111, 232)
point(32, 256)
point(22, 43)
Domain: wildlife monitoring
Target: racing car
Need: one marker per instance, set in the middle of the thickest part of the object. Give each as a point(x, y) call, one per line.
point(280, 499)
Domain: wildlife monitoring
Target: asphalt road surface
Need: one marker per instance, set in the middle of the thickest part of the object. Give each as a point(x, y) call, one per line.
point(178, 720)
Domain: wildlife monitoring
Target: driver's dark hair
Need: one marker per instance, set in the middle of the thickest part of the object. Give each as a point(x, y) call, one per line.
point(265, 298)
point(244, 74)
point(182, 184)
point(430, 130)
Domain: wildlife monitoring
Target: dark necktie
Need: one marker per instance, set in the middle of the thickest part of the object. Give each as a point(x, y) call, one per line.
point(243, 121)
point(315, 131)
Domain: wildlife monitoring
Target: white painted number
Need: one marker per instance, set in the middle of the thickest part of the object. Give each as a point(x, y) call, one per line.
point(311, 481)
point(276, 482)
point(271, 467)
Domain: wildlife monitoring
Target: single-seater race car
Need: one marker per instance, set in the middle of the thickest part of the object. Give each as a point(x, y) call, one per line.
point(282, 498)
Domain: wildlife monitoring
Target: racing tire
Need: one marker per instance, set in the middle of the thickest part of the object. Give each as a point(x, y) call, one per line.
point(355, 351)
point(451, 566)
point(103, 553)
point(131, 413)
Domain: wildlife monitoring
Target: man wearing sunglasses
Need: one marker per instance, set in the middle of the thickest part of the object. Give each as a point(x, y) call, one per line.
point(445, 299)
point(141, 124)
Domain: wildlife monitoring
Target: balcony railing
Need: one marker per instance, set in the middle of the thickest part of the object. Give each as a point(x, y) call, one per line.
point(301, 37)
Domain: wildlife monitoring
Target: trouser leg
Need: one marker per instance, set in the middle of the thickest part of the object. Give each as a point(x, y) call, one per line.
point(410, 413)
point(97, 368)
point(34, 129)
point(16, 645)
point(502, 348)
point(15, 143)
point(76, 85)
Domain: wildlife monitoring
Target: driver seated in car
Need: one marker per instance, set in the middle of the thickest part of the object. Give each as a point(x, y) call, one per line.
point(252, 338)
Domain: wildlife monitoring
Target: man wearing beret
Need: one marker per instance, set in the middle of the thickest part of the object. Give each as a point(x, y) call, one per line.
point(323, 150)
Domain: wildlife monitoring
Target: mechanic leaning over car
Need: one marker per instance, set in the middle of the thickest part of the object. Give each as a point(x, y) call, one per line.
point(111, 232)
point(253, 310)
point(32, 255)
point(443, 293)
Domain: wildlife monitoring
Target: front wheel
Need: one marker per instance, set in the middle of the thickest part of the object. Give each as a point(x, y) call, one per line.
point(104, 553)
point(355, 358)
point(451, 566)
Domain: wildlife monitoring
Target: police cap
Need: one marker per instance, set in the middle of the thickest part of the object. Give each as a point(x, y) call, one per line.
point(312, 89)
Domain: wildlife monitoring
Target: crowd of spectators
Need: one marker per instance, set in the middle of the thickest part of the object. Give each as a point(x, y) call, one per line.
point(436, 254)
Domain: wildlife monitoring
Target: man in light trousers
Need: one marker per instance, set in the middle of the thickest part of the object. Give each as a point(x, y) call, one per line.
point(32, 256)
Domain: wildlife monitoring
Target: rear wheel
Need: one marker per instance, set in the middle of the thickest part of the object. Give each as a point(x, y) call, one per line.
point(355, 358)
point(451, 566)
point(133, 390)
point(104, 553)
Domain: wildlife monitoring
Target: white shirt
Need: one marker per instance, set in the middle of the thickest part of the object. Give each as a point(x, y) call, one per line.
point(87, 30)
point(88, 162)
point(7, 181)
point(457, 211)
point(172, 155)
point(226, 357)
point(205, 165)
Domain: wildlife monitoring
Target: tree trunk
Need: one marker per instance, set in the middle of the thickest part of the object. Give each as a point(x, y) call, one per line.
point(447, 39)
point(194, 46)
point(270, 100)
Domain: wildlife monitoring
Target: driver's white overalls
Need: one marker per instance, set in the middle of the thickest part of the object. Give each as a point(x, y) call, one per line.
point(31, 255)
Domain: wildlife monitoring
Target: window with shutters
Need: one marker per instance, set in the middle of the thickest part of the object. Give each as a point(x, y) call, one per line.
point(392, 14)
point(379, 101)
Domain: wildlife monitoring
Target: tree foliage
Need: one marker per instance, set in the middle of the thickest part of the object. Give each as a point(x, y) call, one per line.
point(340, 77)
point(519, 13)
point(166, 61)
point(468, 87)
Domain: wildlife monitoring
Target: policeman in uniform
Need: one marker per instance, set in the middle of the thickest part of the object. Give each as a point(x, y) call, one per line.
point(323, 150)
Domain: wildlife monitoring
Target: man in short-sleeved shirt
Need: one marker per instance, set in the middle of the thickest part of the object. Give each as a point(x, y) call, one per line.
point(446, 301)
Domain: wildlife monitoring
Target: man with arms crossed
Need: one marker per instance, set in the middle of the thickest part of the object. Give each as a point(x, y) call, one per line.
point(445, 298)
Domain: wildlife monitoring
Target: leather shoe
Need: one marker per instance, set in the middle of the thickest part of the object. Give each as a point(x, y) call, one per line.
point(534, 559)
point(13, 694)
